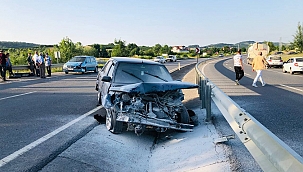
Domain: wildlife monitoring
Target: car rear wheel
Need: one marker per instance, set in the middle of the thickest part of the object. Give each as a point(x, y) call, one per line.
point(66, 72)
point(283, 70)
point(111, 124)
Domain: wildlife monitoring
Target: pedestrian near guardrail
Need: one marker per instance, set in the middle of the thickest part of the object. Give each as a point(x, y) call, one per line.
point(48, 64)
point(36, 67)
point(238, 66)
point(31, 65)
point(3, 65)
point(41, 65)
point(9, 65)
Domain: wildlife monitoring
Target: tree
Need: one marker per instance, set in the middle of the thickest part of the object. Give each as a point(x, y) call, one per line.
point(271, 45)
point(66, 48)
point(157, 49)
point(166, 49)
point(298, 38)
point(133, 49)
point(120, 49)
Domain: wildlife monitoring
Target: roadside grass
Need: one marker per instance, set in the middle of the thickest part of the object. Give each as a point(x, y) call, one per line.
point(285, 57)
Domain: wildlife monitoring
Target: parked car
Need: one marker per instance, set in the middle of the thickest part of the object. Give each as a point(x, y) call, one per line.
point(278, 53)
point(171, 58)
point(160, 59)
point(274, 61)
point(141, 94)
point(81, 64)
point(221, 55)
point(293, 65)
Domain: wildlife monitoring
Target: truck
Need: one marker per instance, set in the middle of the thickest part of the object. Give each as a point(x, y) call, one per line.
point(254, 49)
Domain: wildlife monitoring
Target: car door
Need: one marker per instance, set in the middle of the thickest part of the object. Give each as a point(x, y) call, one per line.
point(288, 64)
point(107, 70)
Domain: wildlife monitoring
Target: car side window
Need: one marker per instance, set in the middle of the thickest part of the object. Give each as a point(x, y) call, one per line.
point(111, 70)
point(106, 67)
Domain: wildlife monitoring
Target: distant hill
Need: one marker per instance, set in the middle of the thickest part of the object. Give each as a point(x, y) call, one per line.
point(242, 44)
point(7, 44)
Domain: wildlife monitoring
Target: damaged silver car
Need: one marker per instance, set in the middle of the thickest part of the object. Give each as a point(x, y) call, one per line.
point(141, 94)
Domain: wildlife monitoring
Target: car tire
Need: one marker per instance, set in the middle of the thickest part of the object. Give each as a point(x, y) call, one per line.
point(66, 72)
point(290, 71)
point(99, 98)
point(111, 124)
point(283, 70)
point(183, 116)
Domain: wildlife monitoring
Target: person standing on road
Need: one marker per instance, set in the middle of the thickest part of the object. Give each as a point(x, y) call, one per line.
point(31, 64)
point(3, 65)
point(48, 63)
point(238, 66)
point(258, 65)
point(41, 64)
point(36, 64)
point(9, 66)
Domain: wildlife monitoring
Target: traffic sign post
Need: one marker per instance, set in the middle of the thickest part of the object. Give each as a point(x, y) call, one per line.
point(198, 52)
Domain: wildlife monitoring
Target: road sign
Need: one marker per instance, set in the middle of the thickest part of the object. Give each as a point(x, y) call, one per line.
point(197, 50)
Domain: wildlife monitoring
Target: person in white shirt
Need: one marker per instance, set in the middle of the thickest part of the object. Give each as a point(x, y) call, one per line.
point(238, 66)
point(36, 65)
point(48, 63)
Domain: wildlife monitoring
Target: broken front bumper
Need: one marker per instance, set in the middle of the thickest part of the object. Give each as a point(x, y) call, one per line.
point(155, 122)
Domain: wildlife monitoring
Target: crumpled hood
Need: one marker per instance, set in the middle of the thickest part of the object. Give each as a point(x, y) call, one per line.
point(73, 63)
point(149, 87)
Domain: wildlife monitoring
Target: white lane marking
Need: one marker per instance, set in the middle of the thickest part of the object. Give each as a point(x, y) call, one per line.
point(291, 87)
point(17, 95)
point(44, 138)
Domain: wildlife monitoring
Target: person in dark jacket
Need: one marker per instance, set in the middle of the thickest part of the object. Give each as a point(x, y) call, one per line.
point(3, 65)
point(9, 66)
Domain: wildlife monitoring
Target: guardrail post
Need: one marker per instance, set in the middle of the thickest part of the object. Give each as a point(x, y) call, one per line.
point(208, 102)
point(202, 93)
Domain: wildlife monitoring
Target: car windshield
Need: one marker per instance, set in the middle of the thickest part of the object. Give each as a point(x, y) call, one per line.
point(77, 59)
point(299, 59)
point(276, 58)
point(130, 73)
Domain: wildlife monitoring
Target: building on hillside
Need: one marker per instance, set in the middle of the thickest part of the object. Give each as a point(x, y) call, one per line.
point(180, 49)
point(193, 47)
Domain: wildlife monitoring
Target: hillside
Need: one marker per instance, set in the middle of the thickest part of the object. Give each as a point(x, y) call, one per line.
point(7, 44)
point(242, 44)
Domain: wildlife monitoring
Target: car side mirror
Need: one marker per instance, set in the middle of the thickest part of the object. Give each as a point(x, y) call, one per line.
point(106, 78)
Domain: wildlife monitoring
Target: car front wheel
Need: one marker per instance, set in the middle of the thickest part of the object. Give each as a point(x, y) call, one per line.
point(111, 124)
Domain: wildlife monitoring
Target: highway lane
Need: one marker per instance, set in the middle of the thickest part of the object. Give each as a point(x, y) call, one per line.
point(277, 105)
point(31, 108)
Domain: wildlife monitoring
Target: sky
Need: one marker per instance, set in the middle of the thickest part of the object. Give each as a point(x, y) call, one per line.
point(150, 22)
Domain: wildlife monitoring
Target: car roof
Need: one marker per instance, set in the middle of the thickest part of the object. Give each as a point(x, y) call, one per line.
point(133, 60)
point(83, 56)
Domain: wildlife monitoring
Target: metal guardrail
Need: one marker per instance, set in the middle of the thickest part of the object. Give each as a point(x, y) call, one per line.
point(271, 153)
point(26, 67)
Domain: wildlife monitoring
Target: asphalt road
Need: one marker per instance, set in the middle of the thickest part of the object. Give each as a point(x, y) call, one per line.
point(38, 117)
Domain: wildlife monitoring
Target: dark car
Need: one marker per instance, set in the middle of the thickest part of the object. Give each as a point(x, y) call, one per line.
point(141, 94)
point(81, 64)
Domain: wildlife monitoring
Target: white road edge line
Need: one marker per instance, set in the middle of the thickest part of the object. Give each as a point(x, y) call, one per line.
point(291, 87)
point(44, 138)
point(17, 95)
